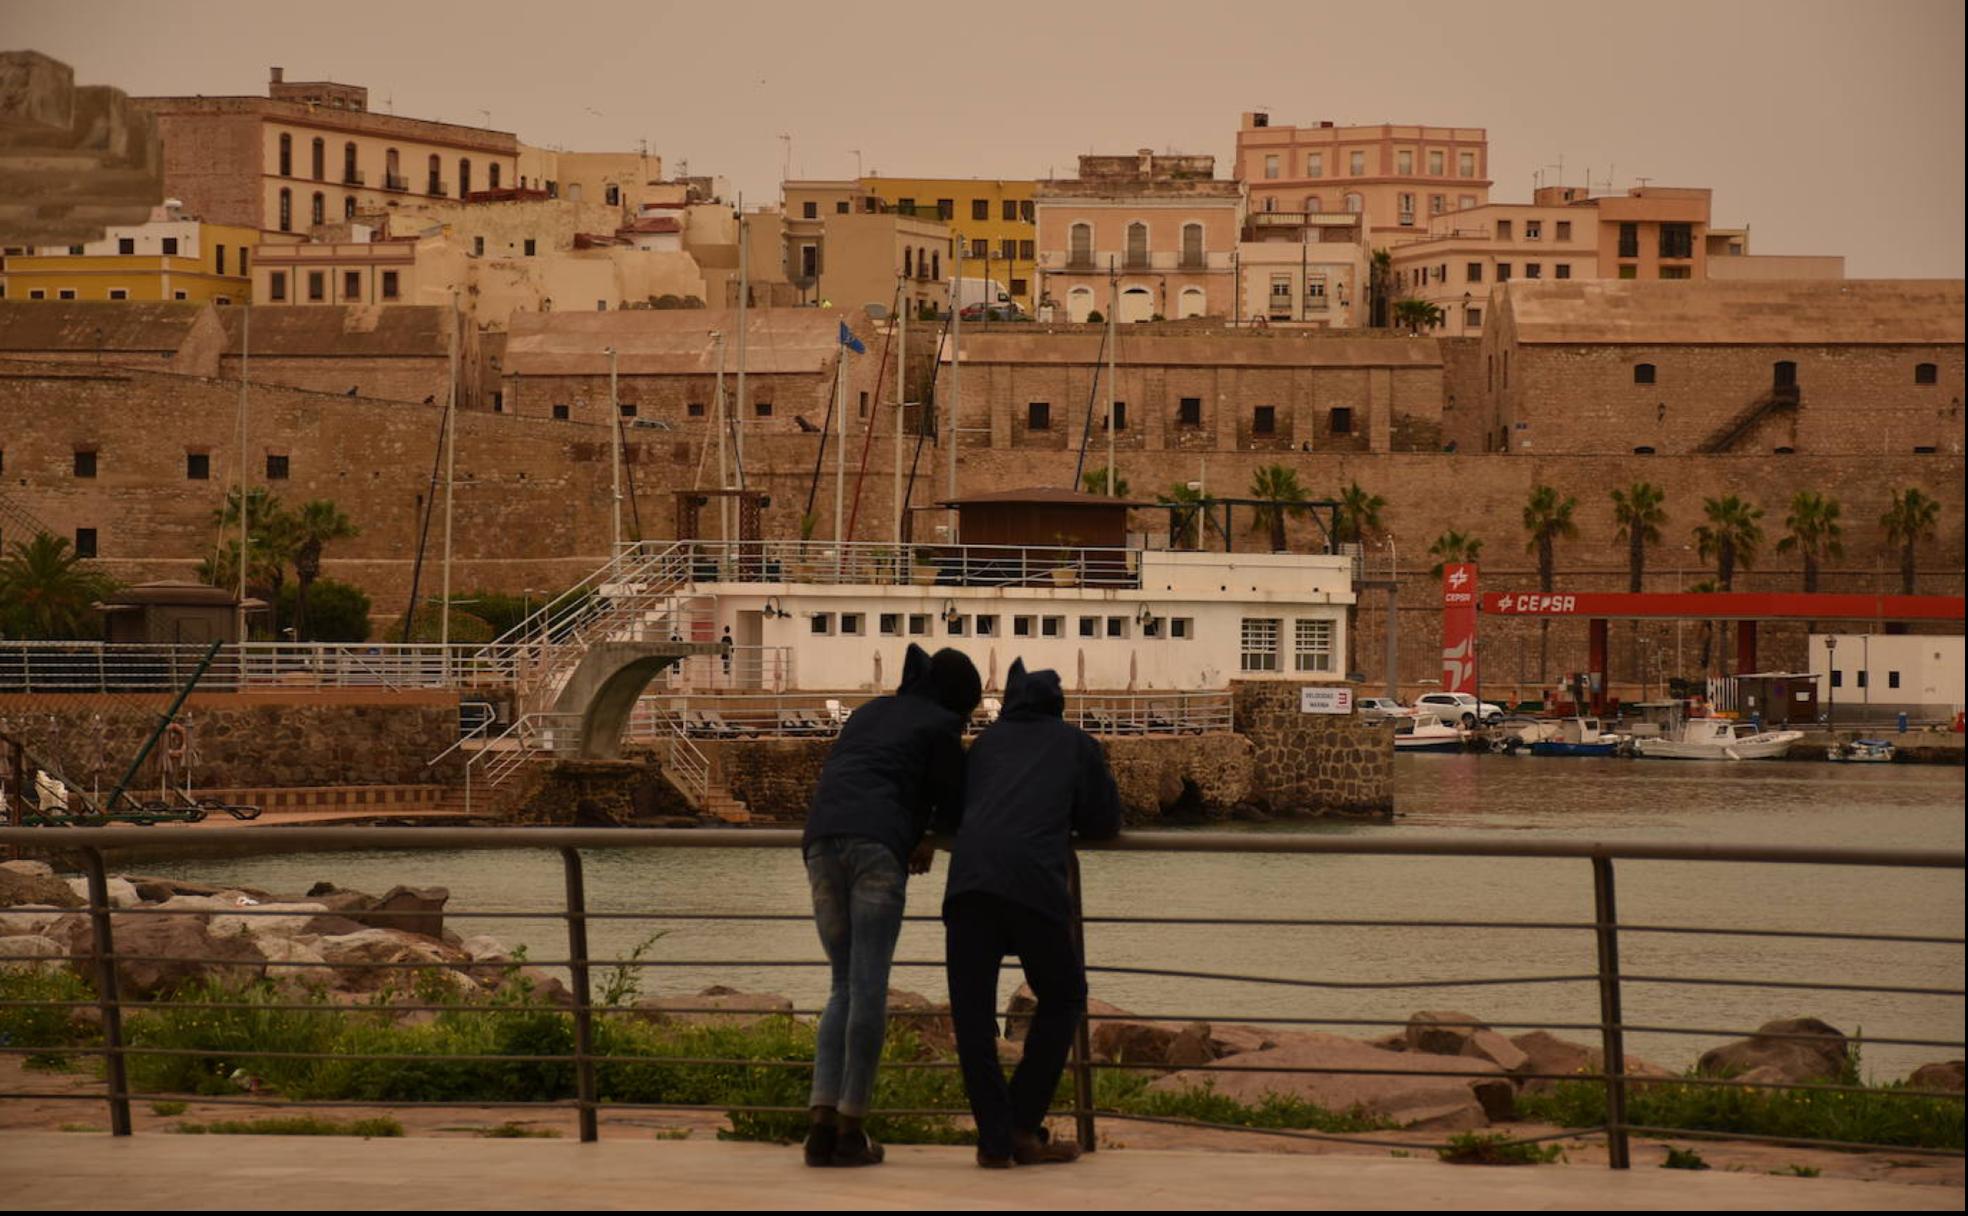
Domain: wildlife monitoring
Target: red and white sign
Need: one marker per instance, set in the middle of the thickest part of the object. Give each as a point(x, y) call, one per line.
point(1459, 600)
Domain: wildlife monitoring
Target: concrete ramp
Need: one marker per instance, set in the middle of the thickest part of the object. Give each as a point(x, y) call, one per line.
point(606, 682)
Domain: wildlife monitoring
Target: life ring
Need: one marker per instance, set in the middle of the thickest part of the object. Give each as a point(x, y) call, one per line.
point(177, 741)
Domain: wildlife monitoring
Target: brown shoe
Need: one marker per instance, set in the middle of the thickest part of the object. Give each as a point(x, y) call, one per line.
point(1028, 1148)
point(991, 1161)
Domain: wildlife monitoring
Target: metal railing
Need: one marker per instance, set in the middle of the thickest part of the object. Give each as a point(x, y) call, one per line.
point(104, 667)
point(530, 737)
point(862, 563)
point(581, 1091)
point(821, 715)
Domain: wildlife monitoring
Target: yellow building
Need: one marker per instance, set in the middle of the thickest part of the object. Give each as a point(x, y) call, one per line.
point(992, 220)
point(170, 257)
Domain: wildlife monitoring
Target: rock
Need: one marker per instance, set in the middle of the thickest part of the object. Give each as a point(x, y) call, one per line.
point(15, 952)
point(313, 971)
point(546, 986)
point(35, 920)
point(122, 892)
point(1945, 1075)
point(31, 869)
point(1019, 1009)
point(156, 890)
point(716, 1004)
point(485, 948)
point(1432, 1103)
point(1236, 1039)
point(1392, 1041)
point(1434, 1031)
point(17, 889)
point(1130, 1042)
point(1820, 1057)
point(296, 918)
point(1498, 1098)
point(1010, 1053)
point(354, 955)
point(1550, 1054)
point(407, 909)
point(1491, 1046)
point(156, 954)
point(929, 1019)
point(1192, 1047)
point(153, 890)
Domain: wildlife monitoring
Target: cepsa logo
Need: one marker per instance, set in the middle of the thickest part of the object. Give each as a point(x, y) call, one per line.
point(1455, 589)
point(1537, 602)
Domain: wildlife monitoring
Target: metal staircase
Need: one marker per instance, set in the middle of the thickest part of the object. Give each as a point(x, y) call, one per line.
point(1732, 432)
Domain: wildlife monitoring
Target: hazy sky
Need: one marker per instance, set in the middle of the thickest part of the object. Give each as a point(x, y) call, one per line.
point(1829, 127)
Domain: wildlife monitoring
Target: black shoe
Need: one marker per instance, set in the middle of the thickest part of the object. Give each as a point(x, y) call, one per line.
point(822, 1137)
point(1029, 1148)
point(991, 1161)
point(857, 1148)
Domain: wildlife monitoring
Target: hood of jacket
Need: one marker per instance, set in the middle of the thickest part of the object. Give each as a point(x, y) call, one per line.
point(1033, 694)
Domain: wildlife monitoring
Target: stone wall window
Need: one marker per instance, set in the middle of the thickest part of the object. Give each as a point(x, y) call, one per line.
point(319, 164)
point(1342, 420)
point(286, 210)
point(286, 155)
point(198, 466)
point(1926, 373)
point(85, 542)
point(317, 286)
point(276, 468)
point(1038, 416)
point(1264, 420)
point(560, 413)
point(85, 463)
point(820, 624)
point(891, 624)
point(1189, 413)
point(1259, 644)
point(1312, 646)
point(1643, 373)
point(389, 285)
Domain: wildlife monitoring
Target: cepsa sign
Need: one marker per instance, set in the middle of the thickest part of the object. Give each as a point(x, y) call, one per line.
point(1531, 603)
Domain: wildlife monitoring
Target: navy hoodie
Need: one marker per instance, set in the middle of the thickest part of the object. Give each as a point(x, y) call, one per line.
point(1034, 782)
point(898, 762)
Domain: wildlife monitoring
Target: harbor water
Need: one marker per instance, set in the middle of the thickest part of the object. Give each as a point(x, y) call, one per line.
point(1468, 795)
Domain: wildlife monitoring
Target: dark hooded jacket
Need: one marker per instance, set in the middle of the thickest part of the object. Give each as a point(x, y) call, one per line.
point(898, 762)
point(1034, 782)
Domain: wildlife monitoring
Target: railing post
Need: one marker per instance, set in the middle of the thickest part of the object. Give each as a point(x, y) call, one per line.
point(118, 1087)
point(1612, 1038)
point(1082, 1061)
point(577, 958)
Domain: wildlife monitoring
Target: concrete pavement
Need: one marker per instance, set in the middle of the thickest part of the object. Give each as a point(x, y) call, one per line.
point(41, 1170)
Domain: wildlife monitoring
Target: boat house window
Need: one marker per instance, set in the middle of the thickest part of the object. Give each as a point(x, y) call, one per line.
point(1260, 644)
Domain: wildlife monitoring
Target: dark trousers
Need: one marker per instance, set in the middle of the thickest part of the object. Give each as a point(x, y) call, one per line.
point(979, 931)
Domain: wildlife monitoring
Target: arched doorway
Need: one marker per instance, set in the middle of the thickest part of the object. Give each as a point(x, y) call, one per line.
point(1079, 304)
point(1192, 303)
point(1137, 304)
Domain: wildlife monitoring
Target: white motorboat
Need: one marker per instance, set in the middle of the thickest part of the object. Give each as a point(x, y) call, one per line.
point(1862, 751)
point(1717, 739)
point(1428, 735)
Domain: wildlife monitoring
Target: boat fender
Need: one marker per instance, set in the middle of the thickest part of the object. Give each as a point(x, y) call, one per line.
point(1730, 752)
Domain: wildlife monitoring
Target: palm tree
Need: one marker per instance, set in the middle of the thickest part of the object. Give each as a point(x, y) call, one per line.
point(1452, 547)
point(1189, 531)
point(1416, 315)
point(1095, 482)
point(1638, 516)
point(1812, 531)
point(1907, 522)
point(318, 523)
point(1380, 278)
point(1278, 486)
point(1731, 536)
point(46, 593)
point(1547, 519)
point(1706, 587)
point(1358, 515)
point(270, 538)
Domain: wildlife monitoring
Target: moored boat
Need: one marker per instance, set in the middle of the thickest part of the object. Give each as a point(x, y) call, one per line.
point(1421, 735)
point(1577, 737)
point(1862, 751)
point(1717, 739)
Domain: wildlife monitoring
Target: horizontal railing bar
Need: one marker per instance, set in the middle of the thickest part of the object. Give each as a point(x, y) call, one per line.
point(1791, 1141)
point(1298, 1133)
point(1805, 985)
point(1342, 985)
point(314, 839)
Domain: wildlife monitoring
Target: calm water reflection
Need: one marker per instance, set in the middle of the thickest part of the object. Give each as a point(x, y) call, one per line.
point(1907, 806)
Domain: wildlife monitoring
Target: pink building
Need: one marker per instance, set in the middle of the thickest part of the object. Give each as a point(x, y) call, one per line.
point(1397, 176)
point(1150, 236)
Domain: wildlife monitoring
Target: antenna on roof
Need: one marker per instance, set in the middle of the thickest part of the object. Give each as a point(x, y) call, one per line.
point(487, 115)
point(389, 102)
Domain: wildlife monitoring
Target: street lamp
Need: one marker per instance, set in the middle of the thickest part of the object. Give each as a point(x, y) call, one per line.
point(1831, 681)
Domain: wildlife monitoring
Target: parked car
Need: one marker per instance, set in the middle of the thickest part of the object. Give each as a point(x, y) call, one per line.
point(1459, 709)
point(1374, 709)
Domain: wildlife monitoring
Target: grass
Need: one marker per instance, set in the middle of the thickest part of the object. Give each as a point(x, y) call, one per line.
point(168, 1109)
point(1472, 1148)
point(1799, 1171)
point(1128, 1093)
point(52, 1028)
point(296, 1125)
point(1684, 1159)
point(517, 1131)
point(81, 1127)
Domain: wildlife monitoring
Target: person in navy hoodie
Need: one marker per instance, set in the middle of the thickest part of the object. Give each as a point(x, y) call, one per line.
point(897, 765)
point(1033, 783)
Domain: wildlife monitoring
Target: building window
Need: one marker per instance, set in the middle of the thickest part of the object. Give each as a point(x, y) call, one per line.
point(529, 247)
point(1182, 628)
point(1356, 164)
point(198, 466)
point(1052, 626)
point(761, 409)
point(1677, 240)
point(946, 209)
point(1926, 373)
point(1785, 373)
point(851, 624)
point(820, 623)
point(492, 176)
point(1564, 230)
point(956, 626)
point(119, 293)
point(318, 209)
point(627, 408)
point(1629, 240)
point(1465, 164)
point(1503, 272)
point(1407, 206)
point(980, 209)
point(1473, 272)
point(694, 409)
point(987, 625)
point(389, 284)
point(169, 245)
point(560, 413)
point(277, 285)
point(1008, 249)
point(1564, 270)
point(1533, 230)
point(218, 259)
point(352, 285)
point(1437, 204)
point(841, 207)
point(810, 210)
point(1259, 644)
point(1643, 373)
point(85, 463)
point(919, 626)
point(1038, 415)
point(1025, 210)
point(1120, 415)
point(1892, 679)
point(1503, 230)
point(286, 155)
point(1079, 245)
point(464, 177)
point(1089, 626)
point(1312, 646)
point(1534, 270)
point(85, 542)
point(317, 285)
point(242, 261)
point(1189, 412)
point(65, 293)
point(349, 175)
point(1404, 162)
point(1264, 420)
point(1435, 164)
point(1342, 420)
point(318, 164)
point(1117, 626)
point(1677, 272)
point(1472, 316)
point(1018, 286)
point(1137, 245)
point(890, 624)
point(1270, 166)
point(348, 206)
point(286, 210)
point(276, 468)
point(1315, 164)
point(179, 295)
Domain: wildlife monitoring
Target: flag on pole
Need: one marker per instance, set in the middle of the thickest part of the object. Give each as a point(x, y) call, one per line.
point(851, 342)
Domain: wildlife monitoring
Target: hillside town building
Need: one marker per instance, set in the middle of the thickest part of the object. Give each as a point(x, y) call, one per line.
point(171, 256)
point(1399, 177)
point(1145, 236)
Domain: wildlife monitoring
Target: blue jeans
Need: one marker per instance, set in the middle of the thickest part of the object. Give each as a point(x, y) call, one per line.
point(858, 892)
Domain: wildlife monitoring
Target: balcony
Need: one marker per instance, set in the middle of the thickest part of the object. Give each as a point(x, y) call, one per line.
point(436, 189)
point(1136, 261)
point(392, 182)
point(353, 177)
point(1192, 261)
point(1080, 261)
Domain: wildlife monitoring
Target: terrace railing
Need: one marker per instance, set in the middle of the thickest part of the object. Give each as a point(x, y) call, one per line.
point(817, 714)
point(861, 563)
point(36, 667)
point(1596, 966)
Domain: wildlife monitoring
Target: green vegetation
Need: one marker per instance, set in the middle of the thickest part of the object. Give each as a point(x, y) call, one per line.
point(1684, 1159)
point(46, 593)
point(169, 1109)
point(1276, 485)
point(1474, 1148)
point(1128, 1093)
point(517, 1131)
point(1547, 520)
point(296, 1125)
point(1452, 547)
point(277, 537)
point(1637, 517)
point(1731, 536)
point(1415, 314)
point(1907, 522)
point(1799, 1171)
point(39, 1026)
point(1095, 481)
point(1811, 530)
point(337, 611)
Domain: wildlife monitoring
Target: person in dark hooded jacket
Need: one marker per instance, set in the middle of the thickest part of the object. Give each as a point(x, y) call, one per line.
point(896, 766)
point(1033, 782)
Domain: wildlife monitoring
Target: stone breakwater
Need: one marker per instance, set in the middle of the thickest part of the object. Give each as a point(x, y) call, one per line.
point(319, 941)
